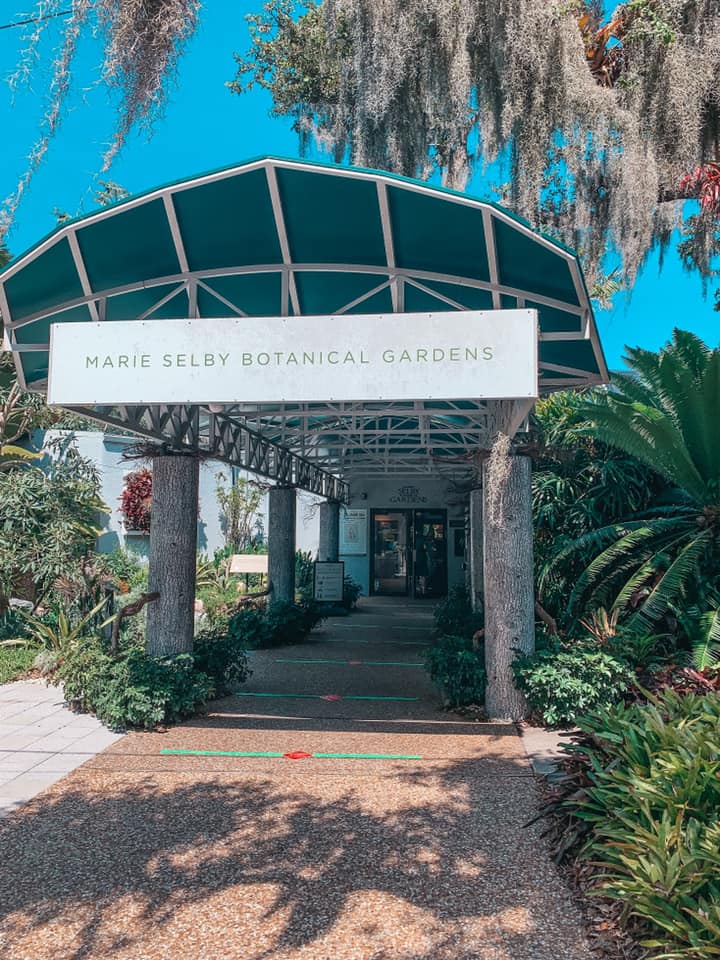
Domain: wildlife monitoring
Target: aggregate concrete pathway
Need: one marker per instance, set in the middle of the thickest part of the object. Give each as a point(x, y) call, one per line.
point(141, 854)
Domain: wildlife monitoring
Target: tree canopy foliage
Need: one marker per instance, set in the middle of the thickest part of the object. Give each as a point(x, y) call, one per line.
point(599, 125)
point(662, 413)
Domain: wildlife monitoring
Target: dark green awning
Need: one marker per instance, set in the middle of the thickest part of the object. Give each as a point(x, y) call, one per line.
point(285, 237)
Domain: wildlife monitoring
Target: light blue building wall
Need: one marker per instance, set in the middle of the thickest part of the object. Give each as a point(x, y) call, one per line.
point(106, 451)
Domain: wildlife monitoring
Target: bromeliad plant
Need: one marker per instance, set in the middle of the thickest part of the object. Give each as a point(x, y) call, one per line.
point(638, 801)
point(664, 413)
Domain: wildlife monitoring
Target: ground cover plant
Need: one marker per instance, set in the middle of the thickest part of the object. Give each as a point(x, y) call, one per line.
point(562, 683)
point(456, 658)
point(457, 667)
point(636, 807)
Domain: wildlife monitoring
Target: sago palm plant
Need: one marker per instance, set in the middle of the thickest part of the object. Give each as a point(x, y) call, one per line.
point(665, 412)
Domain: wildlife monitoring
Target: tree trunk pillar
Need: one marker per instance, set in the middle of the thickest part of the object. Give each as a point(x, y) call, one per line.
point(476, 548)
point(509, 586)
point(281, 543)
point(173, 547)
point(329, 530)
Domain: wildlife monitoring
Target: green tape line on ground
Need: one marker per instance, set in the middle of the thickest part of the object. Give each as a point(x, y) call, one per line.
point(222, 753)
point(393, 663)
point(283, 696)
point(367, 756)
point(315, 696)
point(370, 663)
point(276, 755)
point(302, 660)
point(379, 698)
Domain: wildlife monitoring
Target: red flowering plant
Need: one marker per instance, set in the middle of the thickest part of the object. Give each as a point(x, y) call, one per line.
point(135, 500)
point(704, 182)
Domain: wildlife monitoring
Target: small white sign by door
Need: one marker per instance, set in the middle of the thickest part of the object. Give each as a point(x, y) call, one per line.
point(329, 578)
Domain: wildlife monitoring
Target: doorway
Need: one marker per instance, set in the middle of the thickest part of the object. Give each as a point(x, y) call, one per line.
point(409, 553)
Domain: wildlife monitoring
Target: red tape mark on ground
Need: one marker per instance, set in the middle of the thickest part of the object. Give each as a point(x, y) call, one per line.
point(297, 755)
point(331, 697)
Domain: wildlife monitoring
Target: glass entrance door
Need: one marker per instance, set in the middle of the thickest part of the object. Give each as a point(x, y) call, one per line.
point(430, 553)
point(409, 553)
point(390, 552)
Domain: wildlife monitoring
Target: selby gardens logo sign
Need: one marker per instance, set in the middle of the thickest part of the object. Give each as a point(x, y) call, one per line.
point(468, 354)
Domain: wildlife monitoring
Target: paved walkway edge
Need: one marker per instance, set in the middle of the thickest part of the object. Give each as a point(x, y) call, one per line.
point(41, 740)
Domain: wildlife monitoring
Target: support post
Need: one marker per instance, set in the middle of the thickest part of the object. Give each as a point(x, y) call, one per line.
point(329, 530)
point(509, 584)
point(173, 547)
point(281, 543)
point(476, 548)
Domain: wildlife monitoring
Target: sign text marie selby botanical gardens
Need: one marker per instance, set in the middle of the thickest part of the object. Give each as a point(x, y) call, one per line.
point(472, 354)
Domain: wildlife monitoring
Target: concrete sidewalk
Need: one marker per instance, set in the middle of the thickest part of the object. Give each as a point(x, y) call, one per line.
point(41, 740)
point(332, 811)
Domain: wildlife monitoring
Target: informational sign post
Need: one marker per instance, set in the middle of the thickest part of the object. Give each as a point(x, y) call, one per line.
point(353, 533)
point(249, 563)
point(403, 356)
point(328, 582)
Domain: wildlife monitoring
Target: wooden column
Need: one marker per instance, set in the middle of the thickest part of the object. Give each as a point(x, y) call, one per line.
point(281, 543)
point(475, 552)
point(329, 530)
point(173, 548)
point(509, 586)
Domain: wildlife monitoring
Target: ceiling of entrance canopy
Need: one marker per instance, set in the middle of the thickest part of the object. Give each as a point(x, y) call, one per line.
point(281, 237)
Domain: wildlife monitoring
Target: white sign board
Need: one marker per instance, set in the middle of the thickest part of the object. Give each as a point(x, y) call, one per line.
point(403, 356)
point(353, 533)
point(249, 563)
point(329, 578)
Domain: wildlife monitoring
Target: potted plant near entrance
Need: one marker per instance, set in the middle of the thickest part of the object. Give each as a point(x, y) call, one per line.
point(135, 501)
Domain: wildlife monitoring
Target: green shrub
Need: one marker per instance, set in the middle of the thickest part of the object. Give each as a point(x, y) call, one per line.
point(279, 624)
point(125, 569)
point(458, 669)
point(351, 593)
point(639, 798)
point(15, 661)
point(249, 628)
point(221, 657)
point(564, 684)
point(134, 690)
point(455, 617)
point(304, 574)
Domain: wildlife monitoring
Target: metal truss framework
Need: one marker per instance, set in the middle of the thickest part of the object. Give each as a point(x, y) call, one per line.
point(307, 444)
point(224, 438)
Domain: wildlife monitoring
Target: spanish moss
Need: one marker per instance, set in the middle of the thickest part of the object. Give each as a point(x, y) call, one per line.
point(593, 124)
point(142, 41)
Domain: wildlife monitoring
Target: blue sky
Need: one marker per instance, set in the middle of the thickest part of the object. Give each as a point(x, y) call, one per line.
point(206, 126)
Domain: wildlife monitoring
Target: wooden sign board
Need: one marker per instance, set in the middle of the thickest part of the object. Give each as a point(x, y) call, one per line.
point(328, 581)
point(249, 563)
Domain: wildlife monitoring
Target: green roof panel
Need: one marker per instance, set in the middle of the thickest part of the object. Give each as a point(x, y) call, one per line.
point(437, 234)
point(578, 354)
point(35, 366)
point(49, 279)
point(256, 294)
point(228, 222)
point(132, 306)
point(525, 263)
point(128, 246)
point(39, 332)
point(325, 292)
point(318, 210)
